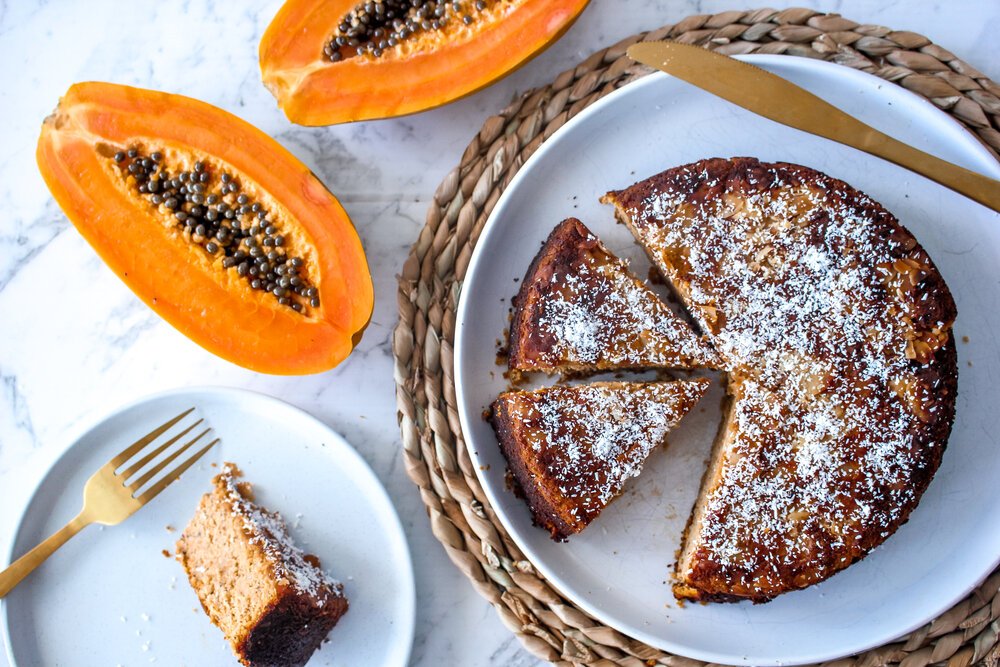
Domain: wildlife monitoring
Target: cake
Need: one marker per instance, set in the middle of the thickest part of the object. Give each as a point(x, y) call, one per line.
point(570, 449)
point(272, 602)
point(580, 309)
point(834, 327)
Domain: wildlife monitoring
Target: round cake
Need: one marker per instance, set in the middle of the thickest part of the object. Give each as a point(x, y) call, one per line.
point(834, 327)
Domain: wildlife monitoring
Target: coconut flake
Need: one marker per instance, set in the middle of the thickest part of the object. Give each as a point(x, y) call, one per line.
point(268, 530)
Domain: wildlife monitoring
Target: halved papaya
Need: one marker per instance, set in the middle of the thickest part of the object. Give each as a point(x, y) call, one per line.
point(326, 61)
point(220, 230)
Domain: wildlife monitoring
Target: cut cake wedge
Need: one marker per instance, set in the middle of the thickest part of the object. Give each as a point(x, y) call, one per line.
point(580, 309)
point(572, 448)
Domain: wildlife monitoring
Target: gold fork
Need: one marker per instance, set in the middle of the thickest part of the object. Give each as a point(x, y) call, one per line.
point(109, 497)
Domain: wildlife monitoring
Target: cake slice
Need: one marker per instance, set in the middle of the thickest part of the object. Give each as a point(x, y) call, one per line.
point(272, 602)
point(580, 309)
point(571, 449)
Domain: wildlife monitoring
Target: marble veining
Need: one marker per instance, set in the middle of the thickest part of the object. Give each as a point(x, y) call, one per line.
point(75, 343)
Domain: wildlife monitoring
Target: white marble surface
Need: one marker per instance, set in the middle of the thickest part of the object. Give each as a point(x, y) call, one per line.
point(74, 342)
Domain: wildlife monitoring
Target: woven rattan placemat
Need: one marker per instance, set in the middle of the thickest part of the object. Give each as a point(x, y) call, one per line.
point(437, 461)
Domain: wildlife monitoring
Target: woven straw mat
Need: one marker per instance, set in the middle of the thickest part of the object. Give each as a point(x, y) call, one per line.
point(436, 458)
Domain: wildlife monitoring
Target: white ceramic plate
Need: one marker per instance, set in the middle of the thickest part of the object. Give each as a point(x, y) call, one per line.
point(110, 597)
point(619, 568)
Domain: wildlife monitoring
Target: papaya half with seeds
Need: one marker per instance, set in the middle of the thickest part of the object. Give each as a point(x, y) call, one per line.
point(214, 225)
point(333, 61)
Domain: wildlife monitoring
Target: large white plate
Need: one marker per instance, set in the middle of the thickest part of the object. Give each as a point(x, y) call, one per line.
point(110, 597)
point(619, 568)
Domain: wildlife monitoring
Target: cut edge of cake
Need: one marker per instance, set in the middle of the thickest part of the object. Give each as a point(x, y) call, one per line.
point(683, 587)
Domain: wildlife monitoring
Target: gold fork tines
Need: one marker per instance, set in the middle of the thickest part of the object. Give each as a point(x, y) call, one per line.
point(112, 495)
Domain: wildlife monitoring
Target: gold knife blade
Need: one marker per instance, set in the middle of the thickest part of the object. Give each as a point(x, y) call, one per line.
point(769, 95)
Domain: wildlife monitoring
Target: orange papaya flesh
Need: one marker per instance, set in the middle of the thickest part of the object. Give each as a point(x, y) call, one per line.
point(424, 71)
point(195, 286)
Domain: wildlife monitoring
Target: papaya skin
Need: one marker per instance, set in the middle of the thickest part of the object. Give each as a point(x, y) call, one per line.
point(441, 67)
point(177, 279)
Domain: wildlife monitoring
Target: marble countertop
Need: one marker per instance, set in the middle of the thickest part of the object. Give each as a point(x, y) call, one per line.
point(75, 342)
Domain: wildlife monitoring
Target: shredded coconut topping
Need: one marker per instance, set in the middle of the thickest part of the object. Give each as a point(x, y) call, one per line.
point(827, 315)
point(588, 440)
point(595, 306)
point(588, 310)
point(268, 530)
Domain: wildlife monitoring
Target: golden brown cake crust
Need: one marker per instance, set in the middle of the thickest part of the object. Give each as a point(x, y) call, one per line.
point(571, 449)
point(835, 328)
point(544, 512)
point(580, 309)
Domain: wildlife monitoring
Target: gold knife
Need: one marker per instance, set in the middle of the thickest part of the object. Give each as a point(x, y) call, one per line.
point(782, 101)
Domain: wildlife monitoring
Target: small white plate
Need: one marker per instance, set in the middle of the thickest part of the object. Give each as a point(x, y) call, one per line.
point(110, 597)
point(619, 569)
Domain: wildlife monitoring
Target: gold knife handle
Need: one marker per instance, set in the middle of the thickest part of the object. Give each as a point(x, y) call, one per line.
point(771, 96)
point(975, 186)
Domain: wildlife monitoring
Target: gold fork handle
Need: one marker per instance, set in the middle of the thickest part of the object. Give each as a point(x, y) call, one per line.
point(24, 565)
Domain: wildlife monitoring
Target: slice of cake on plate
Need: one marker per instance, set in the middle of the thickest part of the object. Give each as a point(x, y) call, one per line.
point(580, 309)
point(272, 602)
point(572, 448)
